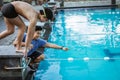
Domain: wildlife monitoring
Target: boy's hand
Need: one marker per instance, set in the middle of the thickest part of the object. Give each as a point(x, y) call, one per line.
point(65, 48)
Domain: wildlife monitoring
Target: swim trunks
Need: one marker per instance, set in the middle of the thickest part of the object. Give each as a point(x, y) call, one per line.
point(8, 11)
point(34, 55)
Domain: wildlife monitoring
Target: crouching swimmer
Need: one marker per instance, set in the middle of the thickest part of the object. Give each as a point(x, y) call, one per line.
point(13, 12)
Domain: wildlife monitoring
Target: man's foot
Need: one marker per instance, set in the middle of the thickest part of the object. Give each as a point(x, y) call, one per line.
point(19, 51)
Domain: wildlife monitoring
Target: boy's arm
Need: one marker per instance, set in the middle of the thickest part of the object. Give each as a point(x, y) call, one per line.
point(55, 46)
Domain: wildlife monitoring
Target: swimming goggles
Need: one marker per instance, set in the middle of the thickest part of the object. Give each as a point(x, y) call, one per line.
point(43, 12)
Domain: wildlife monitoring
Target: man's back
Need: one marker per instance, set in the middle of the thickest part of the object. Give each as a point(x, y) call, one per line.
point(24, 9)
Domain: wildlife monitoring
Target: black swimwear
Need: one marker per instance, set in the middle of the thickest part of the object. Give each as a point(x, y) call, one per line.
point(8, 11)
point(34, 55)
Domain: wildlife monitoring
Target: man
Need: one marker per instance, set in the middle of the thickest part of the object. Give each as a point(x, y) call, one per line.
point(12, 12)
point(35, 55)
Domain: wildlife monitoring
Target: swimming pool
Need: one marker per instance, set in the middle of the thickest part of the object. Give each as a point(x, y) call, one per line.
point(93, 37)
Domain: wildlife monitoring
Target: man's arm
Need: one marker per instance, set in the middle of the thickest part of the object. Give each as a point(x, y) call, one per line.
point(30, 32)
point(55, 46)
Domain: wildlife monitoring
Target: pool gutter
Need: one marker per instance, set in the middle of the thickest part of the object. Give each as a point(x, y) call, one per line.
point(102, 6)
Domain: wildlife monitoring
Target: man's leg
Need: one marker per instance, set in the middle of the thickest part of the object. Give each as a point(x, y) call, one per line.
point(21, 29)
point(9, 30)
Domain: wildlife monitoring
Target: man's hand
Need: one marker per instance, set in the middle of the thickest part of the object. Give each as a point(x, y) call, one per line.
point(31, 46)
point(25, 52)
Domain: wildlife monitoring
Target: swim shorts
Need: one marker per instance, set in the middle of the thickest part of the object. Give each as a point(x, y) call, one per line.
point(34, 55)
point(8, 11)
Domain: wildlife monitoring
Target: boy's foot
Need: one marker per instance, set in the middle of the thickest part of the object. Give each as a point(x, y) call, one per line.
point(33, 66)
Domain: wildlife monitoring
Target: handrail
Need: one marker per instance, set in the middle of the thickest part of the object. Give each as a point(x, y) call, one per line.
point(17, 68)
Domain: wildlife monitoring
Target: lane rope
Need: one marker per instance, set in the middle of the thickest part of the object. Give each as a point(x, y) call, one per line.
point(85, 59)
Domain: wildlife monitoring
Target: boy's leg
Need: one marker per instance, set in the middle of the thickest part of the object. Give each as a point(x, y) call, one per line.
point(36, 57)
point(39, 58)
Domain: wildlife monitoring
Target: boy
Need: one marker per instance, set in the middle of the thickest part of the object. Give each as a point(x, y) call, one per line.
point(11, 12)
point(37, 43)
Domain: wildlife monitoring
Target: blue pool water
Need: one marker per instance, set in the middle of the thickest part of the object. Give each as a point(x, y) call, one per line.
point(93, 39)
